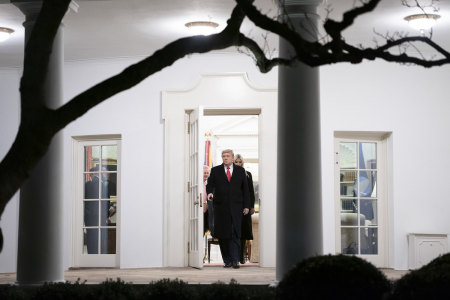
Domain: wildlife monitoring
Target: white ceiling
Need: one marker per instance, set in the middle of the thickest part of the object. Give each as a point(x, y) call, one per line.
point(123, 28)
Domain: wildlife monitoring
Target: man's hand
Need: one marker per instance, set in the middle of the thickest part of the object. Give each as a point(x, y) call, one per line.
point(245, 211)
point(210, 196)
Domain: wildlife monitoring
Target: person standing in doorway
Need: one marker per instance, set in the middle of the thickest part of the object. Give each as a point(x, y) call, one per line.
point(228, 189)
point(246, 232)
point(207, 208)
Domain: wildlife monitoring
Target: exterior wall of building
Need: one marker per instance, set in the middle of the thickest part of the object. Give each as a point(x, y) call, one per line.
point(410, 102)
point(136, 115)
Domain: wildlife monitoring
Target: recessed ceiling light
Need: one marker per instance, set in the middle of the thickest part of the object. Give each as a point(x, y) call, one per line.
point(5, 33)
point(422, 22)
point(202, 27)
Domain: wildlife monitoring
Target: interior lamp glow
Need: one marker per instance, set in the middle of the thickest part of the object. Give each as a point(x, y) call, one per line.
point(422, 22)
point(202, 27)
point(5, 33)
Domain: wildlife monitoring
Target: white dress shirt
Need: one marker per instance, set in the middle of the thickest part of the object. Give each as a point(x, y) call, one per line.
point(231, 169)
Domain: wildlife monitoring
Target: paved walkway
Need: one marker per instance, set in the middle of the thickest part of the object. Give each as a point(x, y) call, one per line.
point(247, 274)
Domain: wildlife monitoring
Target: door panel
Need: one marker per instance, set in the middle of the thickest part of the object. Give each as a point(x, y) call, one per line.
point(96, 205)
point(360, 200)
point(195, 203)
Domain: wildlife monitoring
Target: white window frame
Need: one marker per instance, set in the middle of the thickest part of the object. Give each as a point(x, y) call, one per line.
point(92, 260)
point(380, 260)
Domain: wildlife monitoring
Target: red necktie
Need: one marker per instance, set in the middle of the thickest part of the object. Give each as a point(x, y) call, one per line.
point(228, 174)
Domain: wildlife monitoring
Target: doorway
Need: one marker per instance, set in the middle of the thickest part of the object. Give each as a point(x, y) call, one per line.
point(97, 169)
point(238, 132)
point(361, 195)
point(227, 94)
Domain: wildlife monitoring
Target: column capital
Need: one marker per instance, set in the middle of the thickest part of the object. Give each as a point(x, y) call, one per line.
point(30, 8)
point(300, 2)
point(298, 7)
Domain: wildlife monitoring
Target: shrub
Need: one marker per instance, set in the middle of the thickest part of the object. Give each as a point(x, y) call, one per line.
point(167, 289)
point(62, 291)
point(333, 277)
point(432, 281)
point(223, 291)
point(117, 290)
point(12, 292)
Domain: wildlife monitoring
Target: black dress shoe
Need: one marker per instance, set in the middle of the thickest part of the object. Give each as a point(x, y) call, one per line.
point(227, 265)
point(235, 265)
point(242, 261)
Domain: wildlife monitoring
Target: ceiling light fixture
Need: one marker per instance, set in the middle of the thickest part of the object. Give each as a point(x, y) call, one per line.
point(422, 22)
point(5, 33)
point(202, 27)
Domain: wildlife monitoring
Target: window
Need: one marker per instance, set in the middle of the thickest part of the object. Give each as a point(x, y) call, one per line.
point(97, 203)
point(361, 198)
point(100, 199)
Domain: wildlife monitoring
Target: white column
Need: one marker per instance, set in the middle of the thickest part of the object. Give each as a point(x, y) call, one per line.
point(40, 255)
point(299, 189)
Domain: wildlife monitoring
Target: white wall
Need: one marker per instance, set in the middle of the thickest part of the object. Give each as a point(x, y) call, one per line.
point(414, 104)
point(9, 124)
point(411, 102)
point(136, 115)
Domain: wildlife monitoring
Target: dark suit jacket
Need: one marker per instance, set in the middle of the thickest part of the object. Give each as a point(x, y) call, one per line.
point(247, 231)
point(230, 199)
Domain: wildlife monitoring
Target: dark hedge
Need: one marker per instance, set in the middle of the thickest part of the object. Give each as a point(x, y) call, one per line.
point(431, 281)
point(320, 277)
point(119, 290)
point(333, 277)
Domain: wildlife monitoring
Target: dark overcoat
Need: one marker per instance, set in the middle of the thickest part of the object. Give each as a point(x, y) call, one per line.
point(230, 199)
point(247, 231)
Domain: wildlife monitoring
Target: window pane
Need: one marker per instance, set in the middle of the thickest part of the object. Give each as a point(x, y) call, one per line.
point(349, 218)
point(347, 155)
point(108, 210)
point(91, 185)
point(347, 179)
point(349, 205)
point(112, 213)
point(108, 186)
point(90, 213)
point(91, 157)
point(367, 184)
point(369, 210)
point(349, 240)
point(109, 157)
point(367, 155)
point(369, 240)
point(91, 241)
point(108, 241)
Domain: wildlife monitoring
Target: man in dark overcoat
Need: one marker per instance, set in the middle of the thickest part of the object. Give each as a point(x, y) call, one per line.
point(228, 189)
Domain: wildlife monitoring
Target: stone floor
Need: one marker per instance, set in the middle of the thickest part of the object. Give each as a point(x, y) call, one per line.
point(247, 274)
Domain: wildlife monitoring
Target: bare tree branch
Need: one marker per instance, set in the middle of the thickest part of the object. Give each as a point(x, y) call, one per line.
point(350, 16)
point(40, 123)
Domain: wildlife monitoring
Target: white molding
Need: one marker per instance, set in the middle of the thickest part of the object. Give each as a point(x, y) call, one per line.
point(226, 92)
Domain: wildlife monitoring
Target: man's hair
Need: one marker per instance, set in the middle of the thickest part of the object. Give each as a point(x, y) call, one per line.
point(206, 167)
point(228, 151)
point(94, 169)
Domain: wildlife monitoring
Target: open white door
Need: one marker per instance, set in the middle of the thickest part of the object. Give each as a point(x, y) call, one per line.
point(195, 189)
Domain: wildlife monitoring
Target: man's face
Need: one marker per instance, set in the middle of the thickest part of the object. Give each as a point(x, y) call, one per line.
point(205, 174)
point(227, 158)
